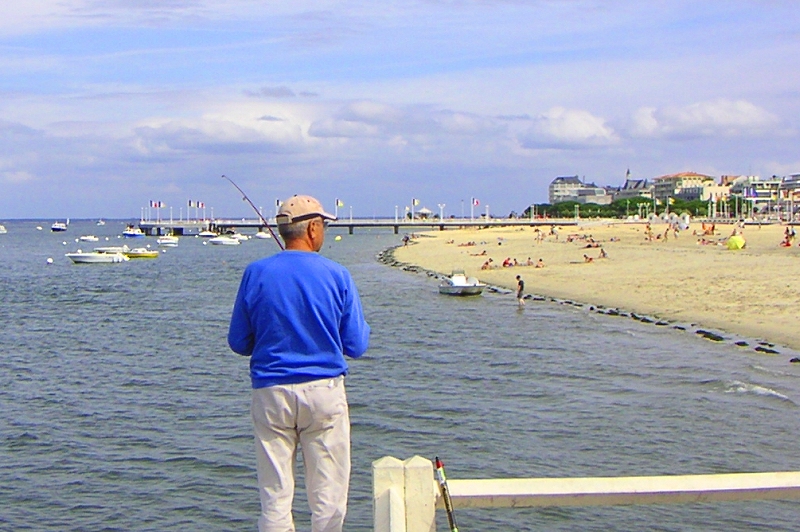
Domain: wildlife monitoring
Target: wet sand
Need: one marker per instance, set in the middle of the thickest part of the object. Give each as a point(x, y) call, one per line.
point(752, 292)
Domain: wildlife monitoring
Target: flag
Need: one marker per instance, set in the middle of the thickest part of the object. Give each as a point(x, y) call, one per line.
point(201, 205)
point(415, 202)
point(161, 205)
point(191, 203)
point(475, 201)
point(339, 203)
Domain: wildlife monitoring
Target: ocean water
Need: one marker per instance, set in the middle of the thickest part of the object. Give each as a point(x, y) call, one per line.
point(122, 408)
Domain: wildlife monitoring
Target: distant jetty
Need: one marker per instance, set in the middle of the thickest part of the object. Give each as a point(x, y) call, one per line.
point(194, 227)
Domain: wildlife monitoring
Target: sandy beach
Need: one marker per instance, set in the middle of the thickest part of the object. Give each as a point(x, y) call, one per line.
point(752, 292)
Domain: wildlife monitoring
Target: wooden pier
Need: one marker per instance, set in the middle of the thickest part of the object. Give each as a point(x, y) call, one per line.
point(193, 227)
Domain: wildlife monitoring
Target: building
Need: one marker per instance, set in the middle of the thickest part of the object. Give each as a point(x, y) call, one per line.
point(761, 195)
point(571, 188)
point(564, 188)
point(687, 186)
point(634, 188)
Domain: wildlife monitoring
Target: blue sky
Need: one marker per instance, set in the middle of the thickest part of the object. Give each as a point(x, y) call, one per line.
point(106, 105)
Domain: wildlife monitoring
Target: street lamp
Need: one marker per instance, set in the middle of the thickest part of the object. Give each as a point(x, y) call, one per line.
point(441, 211)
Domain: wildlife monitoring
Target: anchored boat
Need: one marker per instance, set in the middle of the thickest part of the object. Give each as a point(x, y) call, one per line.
point(458, 284)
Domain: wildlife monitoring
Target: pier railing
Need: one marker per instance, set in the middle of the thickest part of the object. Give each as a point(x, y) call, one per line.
point(406, 495)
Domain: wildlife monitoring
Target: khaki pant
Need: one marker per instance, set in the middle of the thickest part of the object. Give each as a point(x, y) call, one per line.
point(315, 416)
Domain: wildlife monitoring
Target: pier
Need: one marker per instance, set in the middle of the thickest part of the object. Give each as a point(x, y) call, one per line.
point(406, 494)
point(193, 227)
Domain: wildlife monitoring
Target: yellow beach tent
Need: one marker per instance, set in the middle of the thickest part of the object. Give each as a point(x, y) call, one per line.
point(736, 242)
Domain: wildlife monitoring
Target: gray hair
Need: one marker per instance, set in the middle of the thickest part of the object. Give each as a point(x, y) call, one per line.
point(294, 230)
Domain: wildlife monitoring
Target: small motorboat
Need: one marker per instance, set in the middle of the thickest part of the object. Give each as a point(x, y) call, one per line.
point(207, 234)
point(95, 257)
point(132, 232)
point(59, 227)
point(262, 234)
point(141, 253)
point(88, 238)
point(458, 284)
point(3, 229)
point(167, 241)
point(101, 222)
point(224, 240)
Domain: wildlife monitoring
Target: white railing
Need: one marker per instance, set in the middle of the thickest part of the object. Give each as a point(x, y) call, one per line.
point(406, 495)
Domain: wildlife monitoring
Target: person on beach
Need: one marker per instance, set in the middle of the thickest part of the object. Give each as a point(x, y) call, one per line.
point(296, 315)
point(520, 292)
point(540, 263)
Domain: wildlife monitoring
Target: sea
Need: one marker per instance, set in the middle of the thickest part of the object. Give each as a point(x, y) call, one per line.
point(122, 407)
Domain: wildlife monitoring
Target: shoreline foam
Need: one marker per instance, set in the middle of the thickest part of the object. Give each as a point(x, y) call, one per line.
point(751, 293)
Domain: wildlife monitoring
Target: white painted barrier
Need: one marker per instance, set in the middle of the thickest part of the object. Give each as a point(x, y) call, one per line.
point(406, 495)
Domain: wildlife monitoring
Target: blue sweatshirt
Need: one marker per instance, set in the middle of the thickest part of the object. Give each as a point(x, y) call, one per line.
point(296, 315)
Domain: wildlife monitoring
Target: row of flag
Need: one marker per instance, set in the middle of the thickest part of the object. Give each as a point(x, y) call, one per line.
point(415, 202)
point(160, 204)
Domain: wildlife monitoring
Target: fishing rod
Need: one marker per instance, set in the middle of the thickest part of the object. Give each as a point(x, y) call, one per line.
point(263, 220)
point(448, 503)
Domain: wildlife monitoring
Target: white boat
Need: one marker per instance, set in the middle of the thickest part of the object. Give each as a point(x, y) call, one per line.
point(133, 232)
point(237, 236)
point(101, 222)
point(59, 227)
point(262, 234)
point(167, 241)
point(458, 284)
point(88, 238)
point(224, 240)
point(207, 234)
point(95, 257)
point(3, 229)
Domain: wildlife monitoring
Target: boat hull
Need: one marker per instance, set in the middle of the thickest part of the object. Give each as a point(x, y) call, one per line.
point(451, 290)
point(224, 241)
point(96, 258)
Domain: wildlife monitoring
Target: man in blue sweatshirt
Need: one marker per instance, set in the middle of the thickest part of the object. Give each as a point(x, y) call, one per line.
point(296, 315)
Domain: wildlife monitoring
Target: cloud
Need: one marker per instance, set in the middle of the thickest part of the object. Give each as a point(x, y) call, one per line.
point(16, 177)
point(721, 117)
point(562, 128)
point(272, 92)
point(178, 138)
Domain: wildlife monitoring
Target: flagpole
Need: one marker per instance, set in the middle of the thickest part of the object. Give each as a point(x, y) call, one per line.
point(336, 208)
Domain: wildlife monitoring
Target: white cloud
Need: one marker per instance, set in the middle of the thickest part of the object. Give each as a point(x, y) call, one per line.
point(719, 117)
point(16, 177)
point(568, 128)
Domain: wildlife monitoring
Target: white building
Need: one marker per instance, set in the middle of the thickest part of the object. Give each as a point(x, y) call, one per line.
point(571, 188)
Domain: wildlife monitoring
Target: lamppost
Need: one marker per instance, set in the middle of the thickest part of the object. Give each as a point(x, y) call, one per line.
point(441, 211)
point(395, 214)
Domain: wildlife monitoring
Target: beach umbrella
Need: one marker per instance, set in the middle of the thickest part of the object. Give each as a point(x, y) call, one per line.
point(736, 242)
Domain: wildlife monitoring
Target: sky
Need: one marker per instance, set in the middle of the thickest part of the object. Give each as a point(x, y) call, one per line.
point(107, 105)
